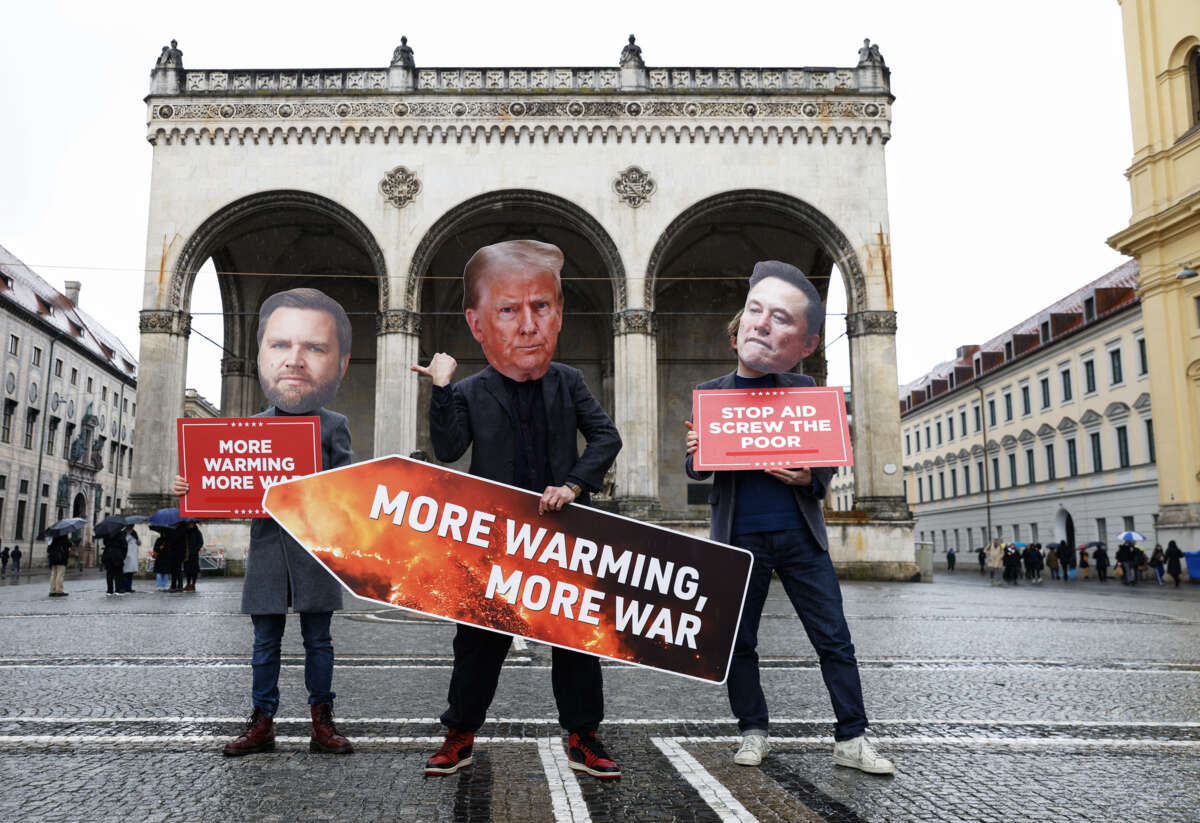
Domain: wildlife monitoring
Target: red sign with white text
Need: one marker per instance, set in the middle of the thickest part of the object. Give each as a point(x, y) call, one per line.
point(764, 428)
point(230, 462)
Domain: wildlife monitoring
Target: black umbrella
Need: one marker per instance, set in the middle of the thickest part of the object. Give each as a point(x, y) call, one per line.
point(109, 526)
point(67, 526)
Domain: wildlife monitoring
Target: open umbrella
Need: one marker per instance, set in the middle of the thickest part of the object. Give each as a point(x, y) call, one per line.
point(67, 526)
point(1130, 537)
point(1019, 545)
point(109, 526)
point(133, 519)
point(166, 518)
point(1093, 544)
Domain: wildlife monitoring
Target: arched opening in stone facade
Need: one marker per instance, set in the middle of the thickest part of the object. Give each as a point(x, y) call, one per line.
point(274, 241)
point(593, 284)
point(696, 283)
point(79, 507)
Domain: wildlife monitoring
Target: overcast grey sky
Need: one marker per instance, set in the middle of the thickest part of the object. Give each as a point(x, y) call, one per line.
point(1005, 170)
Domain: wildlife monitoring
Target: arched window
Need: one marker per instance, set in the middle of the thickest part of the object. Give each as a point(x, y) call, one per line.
point(1193, 66)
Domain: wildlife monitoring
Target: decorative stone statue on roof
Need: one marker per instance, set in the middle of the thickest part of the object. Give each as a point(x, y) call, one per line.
point(171, 57)
point(631, 55)
point(403, 55)
point(869, 55)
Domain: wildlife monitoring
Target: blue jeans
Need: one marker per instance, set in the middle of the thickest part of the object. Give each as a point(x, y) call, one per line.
point(807, 575)
point(318, 659)
point(162, 580)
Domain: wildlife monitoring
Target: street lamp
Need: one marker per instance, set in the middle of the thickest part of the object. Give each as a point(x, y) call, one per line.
point(1186, 273)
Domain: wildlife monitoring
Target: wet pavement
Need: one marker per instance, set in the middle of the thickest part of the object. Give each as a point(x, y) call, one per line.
point(1062, 702)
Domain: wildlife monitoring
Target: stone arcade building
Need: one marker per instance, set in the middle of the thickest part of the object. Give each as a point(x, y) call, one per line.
point(662, 186)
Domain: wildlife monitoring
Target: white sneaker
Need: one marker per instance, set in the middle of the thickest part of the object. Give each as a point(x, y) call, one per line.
point(754, 749)
point(858, 753)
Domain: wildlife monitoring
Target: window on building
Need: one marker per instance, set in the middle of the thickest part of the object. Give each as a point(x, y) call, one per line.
point(1044, 384)
point(30, 427)
point(112, 455)
point(1066, 384)
point(992, 413)
point(67, 432)
point(939, 432)
point(74, 377)
point(930, 479)
point(1197, 302)
point(954, 482)
point(978, 418)
point(133, 409)
point(14, 344)
point(1026, 407)
point(949, 427)
point(1143, 363)
point(37, 356)
point(1097, 457)
point(1008, 350)
point(995, 472)
point(89, 385)
point(1150, 441)
point(942, 485)
point(10, 408)
point(104, 394)
point(1016, 532)
point(928, 439)
point(1033, 533)
point(1008, 407)
point(1031, 465)
point(1127, 521)
point(58, 367)
point(908, 444)
point(1045, 335)
point(1051, 471)
point(966, 479)
point(920, 491)
point(19, 526)
point(1193, 66)
point(1089, 309)
point(1122, 447)
point(1089, 377)
point(979, 474)
point(51, 432)
point(1072, 458)
point(962, 421)
point(129, 473)
point(23, 487)
point(1012, 470)
point(1114, 367)
point(1102, 529)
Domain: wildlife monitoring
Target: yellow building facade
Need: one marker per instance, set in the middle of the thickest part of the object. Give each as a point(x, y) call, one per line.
point(1162, 52)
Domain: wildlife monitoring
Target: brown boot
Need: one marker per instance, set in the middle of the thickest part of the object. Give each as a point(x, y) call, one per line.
point(258, 736)
point(325, 737)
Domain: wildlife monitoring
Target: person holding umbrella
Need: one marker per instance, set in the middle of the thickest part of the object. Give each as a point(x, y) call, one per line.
point(113, 560)
point(59, 552)
point(1100, 560)
point(193, 542)
point(162, 563)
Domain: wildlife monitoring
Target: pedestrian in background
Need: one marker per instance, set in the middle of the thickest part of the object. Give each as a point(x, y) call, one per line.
point(194, 542)
point(176, 552)
point(1083, 562)
point(1066, 560)
point(57, 555)
point(1012, 564)
point(951, 559)
point(3, 562)
point(16, 562)
point(1174, 561)
point(1100, 558)
point(1157, 561)
point(112, 557)
point(1052, 560)
point(1027, 559)
point(995, 560)
point(1038, 563)
point(982, 552)
point(132, 544)
point(1139, 563)
point(162, 564)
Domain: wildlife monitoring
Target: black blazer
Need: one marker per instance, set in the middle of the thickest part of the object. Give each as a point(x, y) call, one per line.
point(808, 498)
point(479, 411)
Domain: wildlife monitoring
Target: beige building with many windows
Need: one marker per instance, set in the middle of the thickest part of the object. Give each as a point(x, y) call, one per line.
point(1043, 433)
point(70, 400)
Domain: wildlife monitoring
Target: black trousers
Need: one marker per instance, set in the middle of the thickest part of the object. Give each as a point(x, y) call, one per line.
point(115, 577)
point(479, 655)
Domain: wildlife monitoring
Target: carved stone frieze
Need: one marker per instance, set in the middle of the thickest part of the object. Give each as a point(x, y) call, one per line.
point(238, 367)
point(397, 321)
point(161, 321)
point(634, 186)
point(870, 322)
point(400, 187)
point(634, 321)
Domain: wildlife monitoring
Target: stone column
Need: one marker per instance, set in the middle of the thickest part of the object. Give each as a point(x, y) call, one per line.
point(878, 479)
point(239, 386)
point(397, 348)
point(635, 375)
point(162, 371)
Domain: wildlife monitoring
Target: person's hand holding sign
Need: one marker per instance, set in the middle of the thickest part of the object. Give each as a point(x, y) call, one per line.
point(180, 486)
point(693, 438)
point(440, 369)
point(792, 477)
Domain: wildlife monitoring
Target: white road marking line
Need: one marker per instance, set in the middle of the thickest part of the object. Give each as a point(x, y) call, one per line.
point(631, 721)
point(719, 798)
point(520, 644)
point(565, 795)
point(981, 740)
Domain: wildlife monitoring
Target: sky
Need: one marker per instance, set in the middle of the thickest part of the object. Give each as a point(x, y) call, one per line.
point(1010, 130)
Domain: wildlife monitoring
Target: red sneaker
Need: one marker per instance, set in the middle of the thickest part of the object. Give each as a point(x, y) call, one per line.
point(585, 753)
point(453, 755)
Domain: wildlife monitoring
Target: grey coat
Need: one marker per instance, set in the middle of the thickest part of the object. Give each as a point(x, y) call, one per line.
point(279, 572)
point(482, 413)
point(724, 492)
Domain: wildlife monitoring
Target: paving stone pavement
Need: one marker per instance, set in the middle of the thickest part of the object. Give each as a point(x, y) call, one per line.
point(1055, 702)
